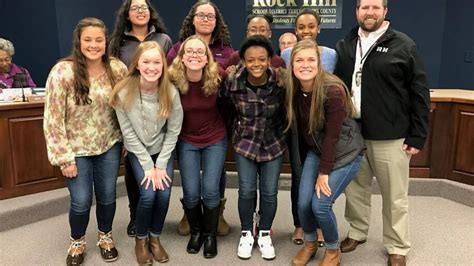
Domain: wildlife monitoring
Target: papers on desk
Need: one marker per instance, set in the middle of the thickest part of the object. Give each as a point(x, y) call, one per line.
point(15, 94)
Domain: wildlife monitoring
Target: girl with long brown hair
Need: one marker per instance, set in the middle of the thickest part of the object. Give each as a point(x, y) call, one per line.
point(83, 136)
point(327, 139)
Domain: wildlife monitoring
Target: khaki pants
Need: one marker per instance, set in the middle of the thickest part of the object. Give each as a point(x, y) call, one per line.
point(390, 165)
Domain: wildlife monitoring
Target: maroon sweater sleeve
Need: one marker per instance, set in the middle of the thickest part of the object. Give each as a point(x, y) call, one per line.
point(335, 113)
point(234, 58)
point(172, 53)
point(277, 62)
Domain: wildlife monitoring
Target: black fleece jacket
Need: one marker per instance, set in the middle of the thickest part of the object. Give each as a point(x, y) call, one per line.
point(395, 99)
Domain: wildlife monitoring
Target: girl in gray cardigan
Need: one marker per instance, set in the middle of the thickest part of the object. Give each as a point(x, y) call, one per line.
point(149, 111)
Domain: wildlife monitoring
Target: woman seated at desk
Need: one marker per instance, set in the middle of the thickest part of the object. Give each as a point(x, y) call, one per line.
point(11, 75)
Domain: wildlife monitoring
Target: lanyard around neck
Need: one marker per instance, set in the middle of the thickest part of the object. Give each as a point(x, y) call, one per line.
point(362, 55)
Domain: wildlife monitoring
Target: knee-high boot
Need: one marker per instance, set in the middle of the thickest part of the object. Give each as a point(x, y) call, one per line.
point(194, 218)
point(209, 225)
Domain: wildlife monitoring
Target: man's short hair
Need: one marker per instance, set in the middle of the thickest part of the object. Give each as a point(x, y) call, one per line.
point(384, 3)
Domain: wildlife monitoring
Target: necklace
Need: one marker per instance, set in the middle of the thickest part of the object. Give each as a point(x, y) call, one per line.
point(145, 120)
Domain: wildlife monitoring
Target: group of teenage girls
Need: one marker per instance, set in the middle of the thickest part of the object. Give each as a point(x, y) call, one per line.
point(143, 97)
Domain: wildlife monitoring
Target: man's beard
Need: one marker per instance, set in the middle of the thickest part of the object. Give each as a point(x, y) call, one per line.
point(373, 27)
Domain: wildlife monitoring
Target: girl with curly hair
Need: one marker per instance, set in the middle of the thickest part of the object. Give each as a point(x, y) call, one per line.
point(259, 141)
point(202, 143)
point(206, 21)
point(137, 21)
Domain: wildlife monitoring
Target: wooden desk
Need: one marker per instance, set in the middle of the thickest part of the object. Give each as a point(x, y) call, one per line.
point(448, 152)
point(449, 149)
point(24, 165)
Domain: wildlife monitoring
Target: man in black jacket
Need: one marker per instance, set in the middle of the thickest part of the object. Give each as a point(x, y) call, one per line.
point(390, 93)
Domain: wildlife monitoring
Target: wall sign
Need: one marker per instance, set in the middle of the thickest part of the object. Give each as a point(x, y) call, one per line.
point(284, 11)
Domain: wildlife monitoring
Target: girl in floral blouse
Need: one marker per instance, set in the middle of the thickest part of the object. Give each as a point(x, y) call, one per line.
point(83, 136)
point(149, 111)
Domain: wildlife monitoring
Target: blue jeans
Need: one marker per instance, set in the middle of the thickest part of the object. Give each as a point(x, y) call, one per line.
point(99, 174)
point(269, 174)
point(152, 205)
point(317, 213)
point(191, 159)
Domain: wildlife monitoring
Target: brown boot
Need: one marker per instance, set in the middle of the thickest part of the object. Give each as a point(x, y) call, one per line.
point(319, 233)
point(183, 225)
point(222, 227)
point(305, 253)
point(159, 253)
point(142, 251)
point(332, 257)
point(76, 251)
point(297, 236)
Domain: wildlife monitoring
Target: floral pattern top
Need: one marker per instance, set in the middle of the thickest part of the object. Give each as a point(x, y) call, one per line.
point(79, 130)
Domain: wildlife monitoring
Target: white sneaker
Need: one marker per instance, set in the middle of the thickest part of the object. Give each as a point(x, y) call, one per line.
point(265, 245)
point(244, 250)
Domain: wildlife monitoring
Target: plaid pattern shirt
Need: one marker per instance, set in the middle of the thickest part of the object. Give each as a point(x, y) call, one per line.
point(260, 118)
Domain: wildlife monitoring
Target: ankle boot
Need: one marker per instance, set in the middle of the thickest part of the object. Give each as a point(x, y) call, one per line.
point(159, 253)
point(76, 251)
point(105, 242)
point(305, 253)
point(209, 224)
point(332, 257)
point(183, 225)
point(142, 251)
point(223, 227)
point(194, 218)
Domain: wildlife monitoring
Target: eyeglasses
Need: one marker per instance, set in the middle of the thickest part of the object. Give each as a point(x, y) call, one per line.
point(198, 52)
point(258, 31)
point(142, 8)
point(202, 16)
point(6, 60)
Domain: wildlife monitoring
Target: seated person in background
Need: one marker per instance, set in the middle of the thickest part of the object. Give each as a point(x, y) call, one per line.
point(286, 40)
point(11, 75)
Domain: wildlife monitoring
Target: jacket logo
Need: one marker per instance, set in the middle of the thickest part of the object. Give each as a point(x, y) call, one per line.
point(382, 49)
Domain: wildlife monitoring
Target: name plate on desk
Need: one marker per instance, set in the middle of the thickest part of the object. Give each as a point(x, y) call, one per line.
point(36, 98)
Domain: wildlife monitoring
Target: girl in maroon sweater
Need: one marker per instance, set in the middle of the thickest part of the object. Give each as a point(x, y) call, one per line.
point(202, 143)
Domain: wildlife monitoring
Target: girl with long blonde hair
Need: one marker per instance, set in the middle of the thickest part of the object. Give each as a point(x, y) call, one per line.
point(149, 111)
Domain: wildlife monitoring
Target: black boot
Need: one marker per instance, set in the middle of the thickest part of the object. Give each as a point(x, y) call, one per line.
point(131, 229)
point(209, 229)
point(194, 218)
